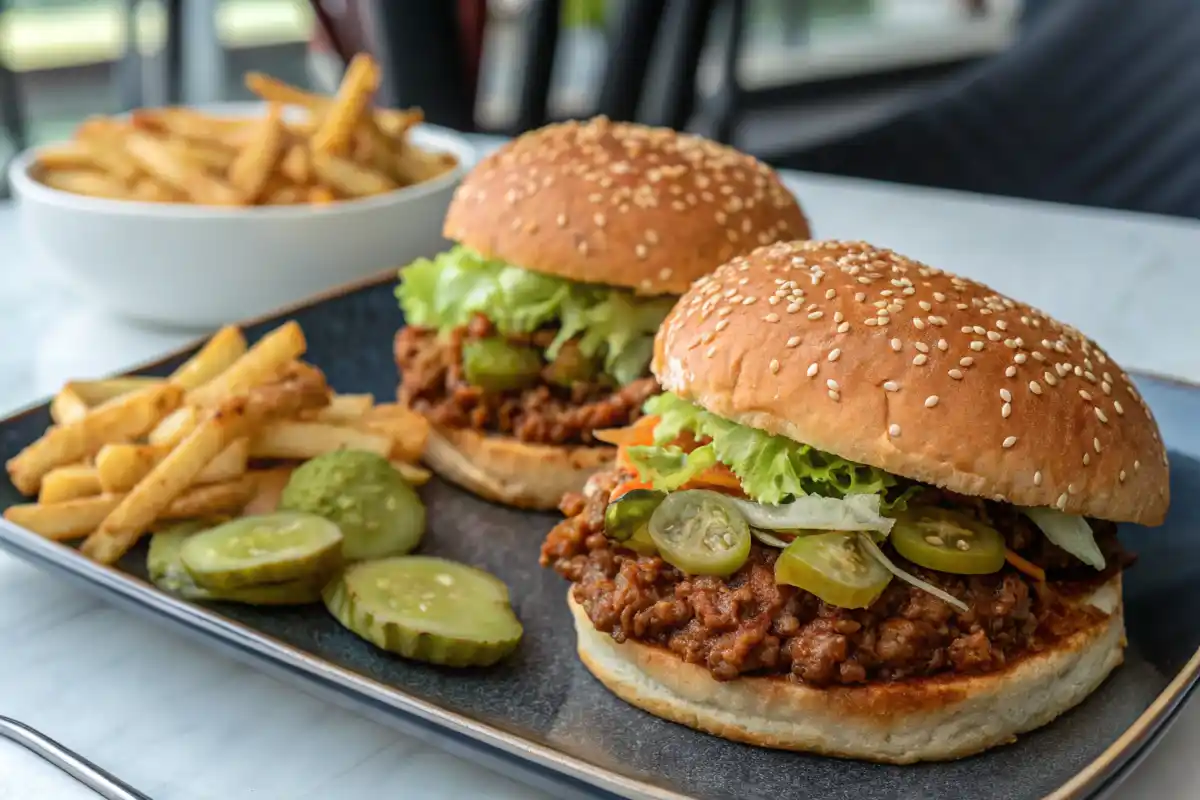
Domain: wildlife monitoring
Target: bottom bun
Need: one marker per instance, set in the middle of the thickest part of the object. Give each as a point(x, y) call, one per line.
point(928, 719)
point(512, 472)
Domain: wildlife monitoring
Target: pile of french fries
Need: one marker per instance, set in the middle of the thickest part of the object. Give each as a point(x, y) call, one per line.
point(338, 148)
point(216, 439)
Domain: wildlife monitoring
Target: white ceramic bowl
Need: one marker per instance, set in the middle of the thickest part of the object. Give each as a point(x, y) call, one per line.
point(202, 266)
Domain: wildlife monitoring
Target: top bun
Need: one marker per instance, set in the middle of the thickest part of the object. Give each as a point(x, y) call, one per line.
point(877, 358)
point(621, 204)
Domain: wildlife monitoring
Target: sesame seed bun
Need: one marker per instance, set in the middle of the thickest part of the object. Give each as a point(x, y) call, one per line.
point(621, 204)
point(926, 719)
point(864, 353)
point(511, 472)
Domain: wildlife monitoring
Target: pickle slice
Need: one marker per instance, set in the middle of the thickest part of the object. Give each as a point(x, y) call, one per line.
point(167, 572)
point(700, 533)
point(428, 609)
point(496, 365)
point(948, 541)
point(272, 548)
point(834, 568)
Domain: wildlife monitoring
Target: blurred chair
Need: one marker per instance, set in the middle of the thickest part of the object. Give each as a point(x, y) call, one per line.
point(12, 112)
point(1098, 103)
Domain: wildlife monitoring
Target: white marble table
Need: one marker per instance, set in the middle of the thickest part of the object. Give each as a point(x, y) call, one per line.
point(181, 723)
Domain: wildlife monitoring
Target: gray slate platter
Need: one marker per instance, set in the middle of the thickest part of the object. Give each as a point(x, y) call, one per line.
point(541, 717)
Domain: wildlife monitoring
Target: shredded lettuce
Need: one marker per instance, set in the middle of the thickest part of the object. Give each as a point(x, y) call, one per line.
point(446, 291)
point(855, 512)
point(772, 469)
point(1069, 532)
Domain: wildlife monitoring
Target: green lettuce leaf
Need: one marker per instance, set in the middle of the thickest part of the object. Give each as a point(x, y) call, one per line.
point(446, 291)
point(670, 466)
point(772, 468)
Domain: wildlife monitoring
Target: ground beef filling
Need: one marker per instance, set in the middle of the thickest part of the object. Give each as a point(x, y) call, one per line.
point(432, 382)
point(749, 624)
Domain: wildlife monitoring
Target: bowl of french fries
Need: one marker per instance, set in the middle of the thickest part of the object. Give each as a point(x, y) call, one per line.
point(196, 217)
point(217, 439)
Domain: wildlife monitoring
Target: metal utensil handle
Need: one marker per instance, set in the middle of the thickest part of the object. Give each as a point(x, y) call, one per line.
point(76, 766)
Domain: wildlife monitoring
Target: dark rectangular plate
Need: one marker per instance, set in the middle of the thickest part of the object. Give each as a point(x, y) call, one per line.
point(541, 717)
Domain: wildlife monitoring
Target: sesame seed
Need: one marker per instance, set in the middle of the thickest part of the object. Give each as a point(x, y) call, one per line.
point(838, 316)
point(1006, 410)
point(1050, 379)
point(1006, 395)
point(722, 324)
point(710, 352)
point(830, 294)
point(812, 369)
point(1072, 488)
point(1137, 465)
point(963, 544)
point(1037, 478)
point(1087, 459)
point(845, 326)
point(893, 430)
point(1035, 387)
point(956, 374)
point(1085, 394)
point(832, 384)
point(749, 301)
point(1019, 358)
point(941, 298)
point(1106, 387)
point(931, 401)
point(976, 346)
point(1096, 444)
point(835, 354)
point(918, 323)
point(994, 336)
point(599, 219)
point(1099, 414)
point(1122, 476)
point(793, 341)
point(919, 359)
point(1062, 502)
point(891, 386)
point(1001, 324)
point(924, 348)
point(834, 396)
point(583, 248)
point(939, 321)
point(925, 305)
point(936, 541)
point(561, 219)
point(814, 315)
point(979, 329)
point(897, 345)
point(966, 361)
point(860, 296)
point(1008, 442)
point(1120, 409)
point(772, 317)
point(943, 345)
point(774, 366)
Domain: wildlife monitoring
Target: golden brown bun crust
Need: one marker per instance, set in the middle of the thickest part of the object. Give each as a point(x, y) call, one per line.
point(933, 719)
point(621, 204)
point(508, 471)
point(943, 381)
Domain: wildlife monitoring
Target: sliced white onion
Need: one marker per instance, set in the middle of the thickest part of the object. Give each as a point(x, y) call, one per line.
point(768, 539)
point(1069, 532)
point(869, 545)
point(855, 512)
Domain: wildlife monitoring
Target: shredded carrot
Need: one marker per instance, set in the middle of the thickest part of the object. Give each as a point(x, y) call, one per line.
point(1024, 565)
point(717, 476)
point(623, 488)
point(640, 432)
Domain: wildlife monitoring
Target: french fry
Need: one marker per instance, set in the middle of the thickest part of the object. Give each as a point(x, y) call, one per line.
point(166, 480)
point(342, 116)
point(349, 178)
point(216, 158)
point(184, 174)
point(408, 430)
point(295, 165)
point(265, 360)
point(321, 195)
point(77, 518)
point(285, 195)
point(269, 485)
point(345, 408)
point(66, 156)
point(100, 391)
point(150, 191)
point(174, 427)
point(276, 91)
point(305, 440)
point(217, 355)
point(69, 483)
point(120, 467)
point(92, 184)
point(122, 418)
point(394, 123)
point(414, 165)
point(414, 474)
point(67, 406)
point(303, 388)
point(254, 164)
